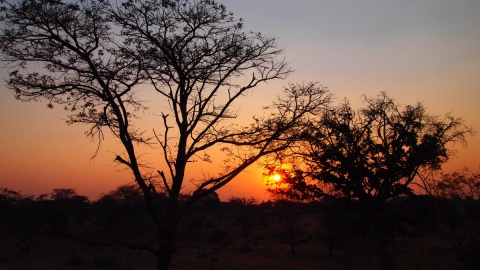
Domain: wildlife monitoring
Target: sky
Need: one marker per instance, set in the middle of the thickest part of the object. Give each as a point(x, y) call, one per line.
point(422, 50)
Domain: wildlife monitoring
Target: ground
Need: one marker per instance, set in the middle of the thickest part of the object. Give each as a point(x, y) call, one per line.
point(267, 248)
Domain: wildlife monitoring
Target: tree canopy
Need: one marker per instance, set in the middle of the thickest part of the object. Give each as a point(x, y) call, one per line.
point(372, 154)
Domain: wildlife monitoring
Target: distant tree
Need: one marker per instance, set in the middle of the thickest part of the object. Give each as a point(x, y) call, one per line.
point(96, 60)
point(291, 213)
point(63, 193)
point(8, 196)
point(463, 184)
point(10, 202)
point(129, 193)
point(246, 216)
point(63, 211)
point(454, 211)
point(372, 155)
point(210, 201)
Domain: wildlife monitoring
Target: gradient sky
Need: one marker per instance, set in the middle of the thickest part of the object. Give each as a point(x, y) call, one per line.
point(422, 50)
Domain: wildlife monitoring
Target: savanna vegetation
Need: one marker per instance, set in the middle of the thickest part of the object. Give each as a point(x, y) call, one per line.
point(344, 195)
point(64, 230)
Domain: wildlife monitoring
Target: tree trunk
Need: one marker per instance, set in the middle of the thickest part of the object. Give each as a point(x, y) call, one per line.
point(373, 212)
point(380, 239)
point(166, 235)
point(166, 246)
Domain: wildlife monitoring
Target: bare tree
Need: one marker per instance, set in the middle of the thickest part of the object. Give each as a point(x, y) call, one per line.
point(96, 60)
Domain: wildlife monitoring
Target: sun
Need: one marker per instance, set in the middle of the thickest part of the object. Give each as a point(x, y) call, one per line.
point(277, 177)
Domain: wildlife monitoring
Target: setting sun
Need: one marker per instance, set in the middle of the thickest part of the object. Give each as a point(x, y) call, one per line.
point(277, 177)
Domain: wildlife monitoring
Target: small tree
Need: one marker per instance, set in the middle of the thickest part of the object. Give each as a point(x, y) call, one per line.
point(63, 193)
point(127, 194)
point(291, 213)
point(95, 59)
point(372, 155)
point(246, 216)
point(455, 210)
point(462, 184)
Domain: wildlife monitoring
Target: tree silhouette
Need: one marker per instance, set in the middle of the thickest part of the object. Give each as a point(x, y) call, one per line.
point(247, 216)
point(127, 194)
point(63, 193)
point(454, 208)
point(96, 59)
point(371, 156)
point(291, 213)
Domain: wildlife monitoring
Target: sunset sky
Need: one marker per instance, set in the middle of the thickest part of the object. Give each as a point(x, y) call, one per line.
point(423, 50)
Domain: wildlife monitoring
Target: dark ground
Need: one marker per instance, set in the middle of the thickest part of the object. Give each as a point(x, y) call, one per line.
point(266, 250)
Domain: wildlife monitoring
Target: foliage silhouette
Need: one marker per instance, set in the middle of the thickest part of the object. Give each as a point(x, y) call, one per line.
point(371, 155)
point(95, 59)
